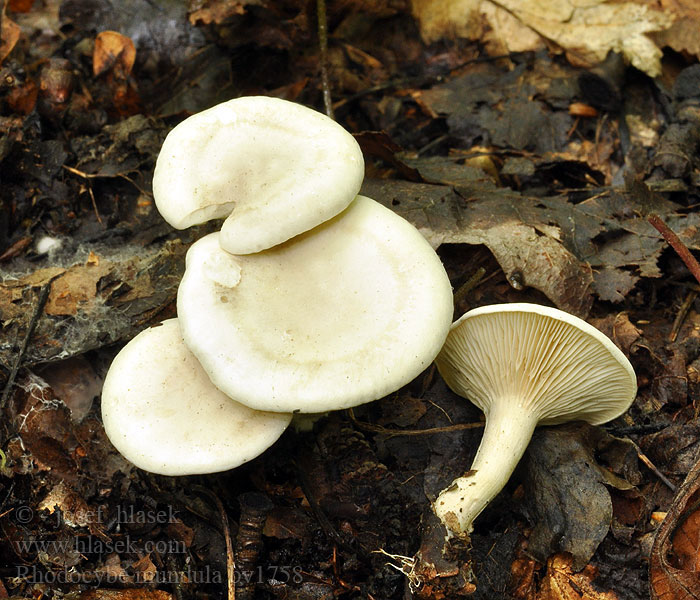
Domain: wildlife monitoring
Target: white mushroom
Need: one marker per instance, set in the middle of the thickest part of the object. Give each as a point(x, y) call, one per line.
point(524, 365)
point(276, 167)
point(338, 316)
point(164, 415)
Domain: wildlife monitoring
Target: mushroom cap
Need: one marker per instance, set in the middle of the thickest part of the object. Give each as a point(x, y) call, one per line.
point(161, 411)
point(556, 364)
point(273, 167)
point(338, 316)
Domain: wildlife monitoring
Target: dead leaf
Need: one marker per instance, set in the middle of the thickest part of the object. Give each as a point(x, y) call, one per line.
point(561, 583)
point(586, 31)
point(75, 512)
point(522, 577)
point(75, 382)
point(144, 569)
point(673, 564)
point(682, 35)
point(620, 329)
point(217, 11)
point(9, 36)
point(567, 492)
point(506, 223)
point(613, 284)
point(22, 99)
point(488, 104)
point(126, 301)
point(75, 289)
point(113, 52)
point(178, 530)
point(16, 249)
point(380, 145)
point(287, 522)
point(43, 424)
point(22, 6)
point(112, 570)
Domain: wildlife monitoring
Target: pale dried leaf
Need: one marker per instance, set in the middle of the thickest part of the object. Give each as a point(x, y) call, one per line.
point(682, 36)
point(586, 30)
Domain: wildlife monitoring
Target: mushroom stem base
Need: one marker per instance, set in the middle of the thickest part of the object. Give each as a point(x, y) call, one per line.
point(509, 427)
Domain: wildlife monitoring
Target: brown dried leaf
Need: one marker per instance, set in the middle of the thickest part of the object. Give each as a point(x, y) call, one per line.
point(81, 316)
point(287, 522)
point(673, 564)
point(22, 99)
point(75, 289)
point(75, 512)
point(113, 570)
point(522, 577)
point(113, 51)
point(178, 530)
point(524, 245)
point(145, 570)
point(23, 6)
point(74, 381)
point(561, 583)
point(218, 11)
point(9, 36)
point(686, 543)
point(567, 492)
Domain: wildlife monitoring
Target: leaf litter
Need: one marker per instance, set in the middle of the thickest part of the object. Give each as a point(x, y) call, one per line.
point(524, 150)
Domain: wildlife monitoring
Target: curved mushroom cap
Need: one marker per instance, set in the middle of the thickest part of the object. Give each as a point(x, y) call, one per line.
point(544, 358)
point(333, 318)
point(263, 161)
point(161, 411)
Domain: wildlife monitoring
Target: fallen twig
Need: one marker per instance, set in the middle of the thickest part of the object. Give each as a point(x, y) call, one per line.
point(388, 431)
point(675, 242)
point(682, 314)
point(230, 558)
point(38, 311)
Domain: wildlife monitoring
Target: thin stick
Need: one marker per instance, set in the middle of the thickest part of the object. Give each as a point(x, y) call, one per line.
point(230, 558)
point(323, 58)
point(87, 178)
point(321, 517)
point(682, 314)
point(38, 311)
point(255, 507)
point(392, 432)
point(469, 285)
point(675, 242)
point(652, 467)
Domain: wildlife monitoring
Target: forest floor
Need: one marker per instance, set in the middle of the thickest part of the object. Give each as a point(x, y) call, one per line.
point(547, 171)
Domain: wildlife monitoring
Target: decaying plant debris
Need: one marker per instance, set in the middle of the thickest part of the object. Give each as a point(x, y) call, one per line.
point(542, 158)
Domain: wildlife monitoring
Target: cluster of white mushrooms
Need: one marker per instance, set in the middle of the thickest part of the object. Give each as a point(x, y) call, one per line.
point(312, 298)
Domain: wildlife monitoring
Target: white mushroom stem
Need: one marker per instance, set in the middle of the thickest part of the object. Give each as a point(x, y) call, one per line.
point(523, 364)
point(509, 427)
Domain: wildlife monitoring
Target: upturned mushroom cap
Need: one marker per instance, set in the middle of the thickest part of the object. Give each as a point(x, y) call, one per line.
point(338, 316)
point(524, 365)
point(553, 363)
point(161, 411)
point(262, 161)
